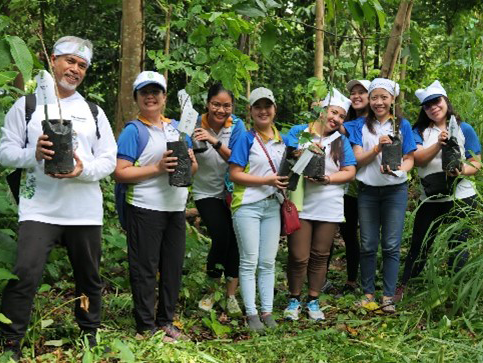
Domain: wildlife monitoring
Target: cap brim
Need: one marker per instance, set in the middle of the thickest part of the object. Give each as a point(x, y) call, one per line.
point(353, 83)
point(261, 98)
point(145, 83)
point(430, 98)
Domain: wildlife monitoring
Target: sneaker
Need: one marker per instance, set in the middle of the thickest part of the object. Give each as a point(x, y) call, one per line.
point(269, 321)
point(173, 332)
point(232, 307)
point(398, 296)
point(327, 287)
point(207, 302)
point(388, 305)
point(293, 309)
point(146, 334)
point(313, 310)
point(347, 289)
point(12, 347)
point(368, 304)
point(255, 324)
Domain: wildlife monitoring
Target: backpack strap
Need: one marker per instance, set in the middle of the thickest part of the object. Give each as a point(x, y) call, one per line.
point(95, 112)
point(30, 106)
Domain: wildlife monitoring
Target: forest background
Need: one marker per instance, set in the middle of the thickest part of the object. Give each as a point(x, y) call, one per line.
point(299, 49)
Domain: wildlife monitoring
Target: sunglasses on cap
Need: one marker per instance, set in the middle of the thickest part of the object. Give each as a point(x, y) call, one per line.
point(435, 101)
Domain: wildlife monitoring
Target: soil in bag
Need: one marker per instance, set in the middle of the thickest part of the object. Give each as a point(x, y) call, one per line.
point(392, 153)
point(60, 134)
point(451, 155)
point(181, 177)
point(288, 161)
point(315, 169)
point(199, 146)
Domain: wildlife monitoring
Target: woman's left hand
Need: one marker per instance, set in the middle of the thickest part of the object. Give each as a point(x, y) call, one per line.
point(325, 180)
point(203, 135)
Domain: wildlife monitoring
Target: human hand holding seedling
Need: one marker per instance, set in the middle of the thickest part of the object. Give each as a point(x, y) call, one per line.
point(201, 134)
point(78, 168)
point(167, 163)
point(277, 181)
point(443, 137)
point(41, 150)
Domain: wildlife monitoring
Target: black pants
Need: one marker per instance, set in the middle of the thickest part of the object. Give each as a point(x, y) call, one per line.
point(424, 227)
point(348, 230)
point(156, 242)
point(35, 241)
point(216, 216)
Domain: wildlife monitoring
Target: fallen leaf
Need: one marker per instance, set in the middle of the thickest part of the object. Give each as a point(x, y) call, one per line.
point(84, 303)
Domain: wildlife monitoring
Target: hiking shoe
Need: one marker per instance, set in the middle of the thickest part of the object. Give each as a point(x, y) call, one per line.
point(313, 310)
point(255, 324)
point(388, 305)
point(232, 307)
point(12, 347)
point(146, 334)
point(327, 287)
point(398, 296)
point(347, 289)
point(269, 321)
point(173, 332)
point(293, 309)
point(207, 302)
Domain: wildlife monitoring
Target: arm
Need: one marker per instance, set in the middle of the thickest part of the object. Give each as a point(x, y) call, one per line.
point(204, 135)
point(126, 172)
point(104, 151)
point(408, 162)
point(423, 156)
point(344, 175)
point(474, 167)
point(238, 176)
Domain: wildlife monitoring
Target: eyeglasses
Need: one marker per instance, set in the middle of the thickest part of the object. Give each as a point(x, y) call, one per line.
point(147, 92)
point(225, 106)
point(431, 103)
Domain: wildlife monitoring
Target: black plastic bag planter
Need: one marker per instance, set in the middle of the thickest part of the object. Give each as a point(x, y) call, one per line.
point(315, 169)
point(451, 155)
point(288, 161)
point(392, 154)
point(181, 177)
point(60, 134)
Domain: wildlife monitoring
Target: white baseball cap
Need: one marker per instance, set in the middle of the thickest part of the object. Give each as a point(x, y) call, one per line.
point(336, 99)
point(363, 82)
point(434, 90)
point(149, 77)
point(384, 83)
point(259, 93)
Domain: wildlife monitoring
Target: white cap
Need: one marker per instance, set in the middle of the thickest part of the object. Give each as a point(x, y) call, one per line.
point(148, 77)
point(76, 46)
point(363, 82)
point(259, 93)
point(336, 99)
point(384, 83)
point(434, 90)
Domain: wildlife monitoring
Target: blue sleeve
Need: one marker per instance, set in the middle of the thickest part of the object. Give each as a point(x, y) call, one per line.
point(241, 149)
point(237, 129)
point(127, 144)
point(418, 139)
point(349, 158)
point(175, 124)
point(355, 137)
point(350, 125)
point(471, 140)
point(408, 144)
point(292, 137)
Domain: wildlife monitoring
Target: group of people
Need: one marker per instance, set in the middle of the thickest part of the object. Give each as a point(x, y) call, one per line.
point(238, 192)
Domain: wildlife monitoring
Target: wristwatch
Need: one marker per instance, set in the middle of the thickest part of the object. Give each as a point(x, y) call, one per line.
point(217, 145)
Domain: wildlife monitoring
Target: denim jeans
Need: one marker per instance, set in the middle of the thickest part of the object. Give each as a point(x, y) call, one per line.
point(257, 228)
point(381, 217)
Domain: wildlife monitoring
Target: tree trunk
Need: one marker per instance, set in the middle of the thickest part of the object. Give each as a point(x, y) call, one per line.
point(168, 37)
point(404, 61)
point(319, 39)
point(393, 48)
point(132, 58)
point(377, 48)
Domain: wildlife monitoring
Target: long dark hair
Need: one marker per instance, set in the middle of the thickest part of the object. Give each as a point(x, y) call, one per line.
point(337, 150)
point(423, 121)
point(216, 89)
point(352, 113)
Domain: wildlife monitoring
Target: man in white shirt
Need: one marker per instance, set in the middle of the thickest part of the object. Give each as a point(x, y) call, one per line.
point(64, 208)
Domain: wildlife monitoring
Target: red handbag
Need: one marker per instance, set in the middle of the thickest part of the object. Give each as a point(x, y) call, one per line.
point(288, 211)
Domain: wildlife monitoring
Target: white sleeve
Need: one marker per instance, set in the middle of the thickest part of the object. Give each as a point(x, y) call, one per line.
point(104, 151)
point(13, 152)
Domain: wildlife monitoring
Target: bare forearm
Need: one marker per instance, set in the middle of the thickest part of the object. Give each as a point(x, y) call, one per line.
point(423, 156)
point(136, 174)
point(343, 176)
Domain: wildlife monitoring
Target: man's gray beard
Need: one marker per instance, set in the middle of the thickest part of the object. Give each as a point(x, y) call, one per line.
point(67, 86)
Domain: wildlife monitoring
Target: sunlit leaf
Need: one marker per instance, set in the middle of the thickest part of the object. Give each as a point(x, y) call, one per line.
point(21, 55)
point(4, 319)
point(45, 323)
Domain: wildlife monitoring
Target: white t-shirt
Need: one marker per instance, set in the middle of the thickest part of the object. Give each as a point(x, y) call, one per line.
point(75, 201)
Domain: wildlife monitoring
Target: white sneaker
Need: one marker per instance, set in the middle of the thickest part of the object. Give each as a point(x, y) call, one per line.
point(313, 310)
point(293, 310)
point(207, 302)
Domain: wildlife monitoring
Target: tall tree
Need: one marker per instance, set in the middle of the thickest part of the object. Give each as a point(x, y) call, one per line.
point(393, 48)
point(132, 59)
point(319, 39)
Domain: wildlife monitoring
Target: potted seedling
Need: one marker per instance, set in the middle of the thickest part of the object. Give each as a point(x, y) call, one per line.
point(288, 161)
point(59, 131)
point(199, 146)
point(392, 153)
point(450, 153)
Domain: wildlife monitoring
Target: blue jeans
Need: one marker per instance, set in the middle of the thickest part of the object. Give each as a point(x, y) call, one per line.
point(381, 216)
point(257, 228)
